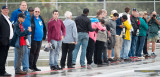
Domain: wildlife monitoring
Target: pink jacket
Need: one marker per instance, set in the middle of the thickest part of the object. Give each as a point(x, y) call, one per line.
point(93, 35)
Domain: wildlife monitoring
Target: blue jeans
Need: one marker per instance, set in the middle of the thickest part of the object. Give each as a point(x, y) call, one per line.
point(25, 61)
point(125, 49)
point(54, 53)
point(133, 46)
point(82, 40)
point(140, 45)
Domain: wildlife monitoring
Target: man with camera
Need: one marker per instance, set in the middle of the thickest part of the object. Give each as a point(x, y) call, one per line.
point(153, 31)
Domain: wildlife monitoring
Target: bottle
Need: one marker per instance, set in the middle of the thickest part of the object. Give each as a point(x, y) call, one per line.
point(123, 33)
point(137, 32)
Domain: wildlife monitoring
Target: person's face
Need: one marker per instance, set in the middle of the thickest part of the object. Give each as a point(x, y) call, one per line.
point(23, 6)
point(31, 12)
point(115, 18)
point(21, 19)
point(36, 12)
point(145, 16)
point(104, 14)
point(122, 19)
point(55, 15)
point(5, 12)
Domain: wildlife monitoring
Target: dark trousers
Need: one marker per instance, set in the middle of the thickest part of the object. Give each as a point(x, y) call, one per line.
point(99, 46)
point(145, 47)
point(67, 48)
point(3, 57)
point(34, 53)
point(90, 50)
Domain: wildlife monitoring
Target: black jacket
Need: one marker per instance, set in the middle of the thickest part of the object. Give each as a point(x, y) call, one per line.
point(4, 31)
point(83, 24)
point(135, 24)
point(33, 28)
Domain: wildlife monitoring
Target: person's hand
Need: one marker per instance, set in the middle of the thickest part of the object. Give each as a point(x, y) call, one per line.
point(29, 29)
point(62, 37)
point(75, 42)
point(109, 34)
point(121, 26)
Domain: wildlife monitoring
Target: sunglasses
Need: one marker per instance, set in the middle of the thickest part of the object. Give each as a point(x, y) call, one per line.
point(37, 11)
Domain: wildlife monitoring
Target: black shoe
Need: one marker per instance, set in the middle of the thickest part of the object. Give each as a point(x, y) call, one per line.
point(5, 74)
point(71, 67)
point(127, 60)
point(36, 69)
point(58, 68)
point(62, 67)
point(111, 60)
point(53, 68)
point(73, 64)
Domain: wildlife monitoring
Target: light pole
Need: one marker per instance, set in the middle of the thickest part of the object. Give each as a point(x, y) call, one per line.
point(154, 5)
point(6, 3)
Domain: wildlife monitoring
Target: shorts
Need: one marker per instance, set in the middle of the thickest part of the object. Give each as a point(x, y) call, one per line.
point(111, 42)
point(153, 39)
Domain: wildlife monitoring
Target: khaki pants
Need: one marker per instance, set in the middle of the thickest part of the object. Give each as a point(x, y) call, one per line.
point(117, 47)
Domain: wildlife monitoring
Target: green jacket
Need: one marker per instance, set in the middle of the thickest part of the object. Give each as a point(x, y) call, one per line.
point(143, 27)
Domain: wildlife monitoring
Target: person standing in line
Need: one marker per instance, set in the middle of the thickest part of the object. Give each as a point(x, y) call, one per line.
point(69, 41)
point(142, 35)
point(38, 34)
point(56, 33)
point(83, 24)
point(6, 34)
point(26, 24)
point(126, 40)
point(153, 31)
point(19, 42)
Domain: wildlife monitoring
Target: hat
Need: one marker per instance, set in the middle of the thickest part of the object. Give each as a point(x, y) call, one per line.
point(134, 9)
point(30, 9)
point(94, 20)
point(21, 15)
point(4, 7)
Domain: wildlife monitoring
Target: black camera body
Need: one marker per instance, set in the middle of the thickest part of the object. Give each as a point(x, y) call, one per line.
point(154, 15)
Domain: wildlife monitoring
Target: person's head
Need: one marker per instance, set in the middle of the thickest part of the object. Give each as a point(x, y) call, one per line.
point(99, 14)
point(124, 18)
point(36, 12)
point(137, 14)
point(68, 14)
point(21, 17)
point(31, 11)
point(23, 6)
point(115, 16)
point(101, 21)
point(55, 14)
point(86, 11)
point(154, 13)
point(127, 10)
point(141, 14)
point(145, 14)
point(104, 12)
point(113, 11)
point(5, 10)
point(134, 11)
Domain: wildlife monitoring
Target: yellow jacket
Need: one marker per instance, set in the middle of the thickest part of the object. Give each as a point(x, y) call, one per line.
point(128, 27)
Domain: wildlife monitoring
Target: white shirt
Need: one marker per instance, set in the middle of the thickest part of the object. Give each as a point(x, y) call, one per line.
point(10, 24)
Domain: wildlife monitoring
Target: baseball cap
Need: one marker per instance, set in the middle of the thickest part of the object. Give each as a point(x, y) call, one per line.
point(21, 15)
point(4, 7)
point(134, 9)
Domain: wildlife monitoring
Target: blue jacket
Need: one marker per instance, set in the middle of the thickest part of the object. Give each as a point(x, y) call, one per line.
point(26, 23)
point(118, 29)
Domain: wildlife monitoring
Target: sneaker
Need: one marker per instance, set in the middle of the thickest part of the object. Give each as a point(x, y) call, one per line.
point(147, 56)
point(153, 54)
point(21, 73)
point(83, 66)
point(111, 60)
point(89, 66)
point(141, 57)
point(58, 68)
point(135, 57)
point(29, 71)
point(131, 57)
point(127, 60)
point(53, 68)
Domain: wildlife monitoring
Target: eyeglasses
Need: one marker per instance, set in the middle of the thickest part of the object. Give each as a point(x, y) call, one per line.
point(37, 11)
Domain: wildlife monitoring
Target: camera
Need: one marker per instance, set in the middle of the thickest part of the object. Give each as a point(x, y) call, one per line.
point(154, 15)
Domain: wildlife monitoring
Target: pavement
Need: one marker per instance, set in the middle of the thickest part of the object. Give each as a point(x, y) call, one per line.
point(144, 68)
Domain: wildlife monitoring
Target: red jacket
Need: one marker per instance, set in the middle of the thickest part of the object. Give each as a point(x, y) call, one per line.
point(54, 29)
